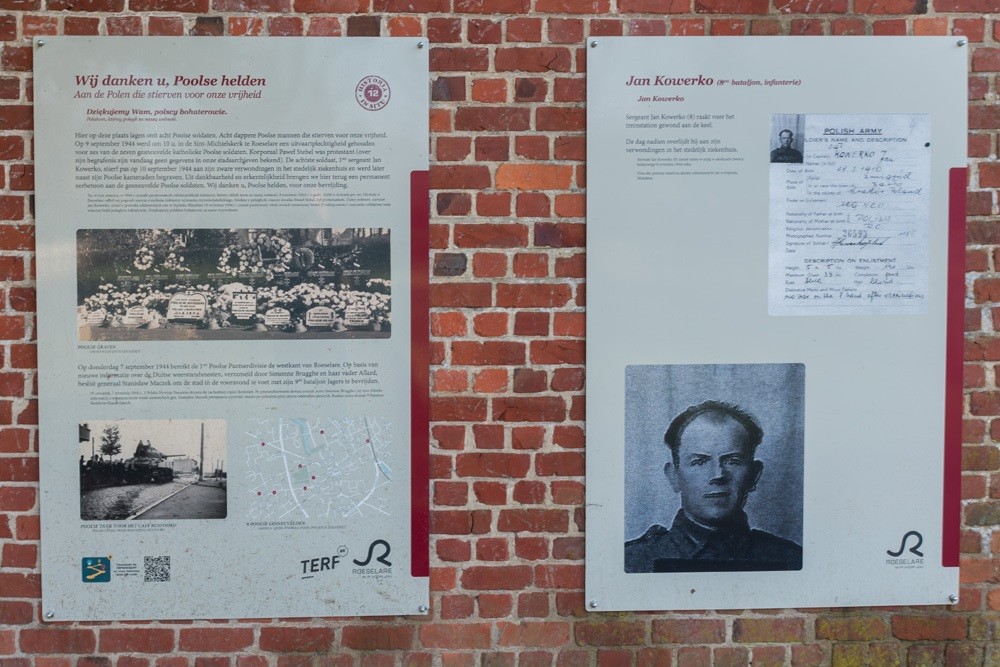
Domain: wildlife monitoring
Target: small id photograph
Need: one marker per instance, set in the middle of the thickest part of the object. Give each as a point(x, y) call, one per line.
point(153, 469)
point(713, 464)
point(787, 138)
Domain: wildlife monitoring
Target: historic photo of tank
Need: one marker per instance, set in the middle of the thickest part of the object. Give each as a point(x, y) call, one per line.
point(233, 284)
point(153, 469)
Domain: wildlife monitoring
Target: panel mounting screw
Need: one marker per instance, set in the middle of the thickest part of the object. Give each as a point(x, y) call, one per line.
point(422, 609)
point(41, 43)
point(593, 43)
point(593, 604)
point(420, 44)
point(961, 42)
point(49, 614)
point(953, 599)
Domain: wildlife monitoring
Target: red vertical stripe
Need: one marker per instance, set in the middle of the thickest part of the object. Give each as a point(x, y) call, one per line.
point(420, 216)
point(955, 333)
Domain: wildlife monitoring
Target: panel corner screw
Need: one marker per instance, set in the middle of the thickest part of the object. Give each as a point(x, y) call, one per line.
point(593, 604)
point(593, 43)
point(953, 598)
point(420, 44)
point(41, 43)
point(422, 609)
point(961, 42)
point(49, 614)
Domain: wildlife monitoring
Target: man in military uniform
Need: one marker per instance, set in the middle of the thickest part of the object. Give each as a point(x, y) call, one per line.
point(784, 152)
point(712, 466)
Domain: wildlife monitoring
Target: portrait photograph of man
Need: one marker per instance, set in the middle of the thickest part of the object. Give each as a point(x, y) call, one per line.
point(714, 467)
point(787, 133)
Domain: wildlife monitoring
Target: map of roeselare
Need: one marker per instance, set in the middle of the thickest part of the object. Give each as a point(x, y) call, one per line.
point(324, 468)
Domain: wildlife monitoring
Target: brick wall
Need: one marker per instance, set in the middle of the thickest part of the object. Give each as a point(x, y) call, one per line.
point(508, 235)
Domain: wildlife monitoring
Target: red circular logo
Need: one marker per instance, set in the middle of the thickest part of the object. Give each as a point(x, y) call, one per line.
point(372, 93)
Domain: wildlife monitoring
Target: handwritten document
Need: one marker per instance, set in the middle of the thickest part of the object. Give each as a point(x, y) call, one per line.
point(848, 224)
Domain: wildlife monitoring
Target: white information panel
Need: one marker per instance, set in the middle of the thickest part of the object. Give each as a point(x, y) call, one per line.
point(231, 296)
point(774, 305)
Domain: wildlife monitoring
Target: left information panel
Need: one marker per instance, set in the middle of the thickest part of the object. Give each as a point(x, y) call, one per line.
point(232, 326)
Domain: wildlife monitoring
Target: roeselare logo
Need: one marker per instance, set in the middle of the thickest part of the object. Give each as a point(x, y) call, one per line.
point(910, 544)
point(372, 92)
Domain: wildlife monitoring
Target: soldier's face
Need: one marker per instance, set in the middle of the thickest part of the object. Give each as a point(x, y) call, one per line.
point(715, 471)
point(785, 139)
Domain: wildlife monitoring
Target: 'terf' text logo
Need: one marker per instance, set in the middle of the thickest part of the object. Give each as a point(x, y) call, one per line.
point(321, 564)
point(900, 560)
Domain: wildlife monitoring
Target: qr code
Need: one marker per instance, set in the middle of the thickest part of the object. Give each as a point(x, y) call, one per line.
point(157, 568)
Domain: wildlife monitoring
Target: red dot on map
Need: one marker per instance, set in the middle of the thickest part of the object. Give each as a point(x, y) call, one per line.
point(262, 444)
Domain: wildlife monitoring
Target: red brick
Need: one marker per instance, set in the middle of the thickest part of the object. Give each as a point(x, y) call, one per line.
point(296, 639)
point(489, 265)
point(492, 119)
point(524, 29)
point(18, 585)
point(488, 436)
point(533, 520)
point(57, 640)
point(533, 176)
point(490, 381)
point(535, 409)
point(451, 494)
point(490, 493)
point(17, 498)
point(136, 640)
point(491, 549)
point(765, 630)
point(441, 30)
point(611, 633)
point(532, 295)
point(527, 437)
point(457, 606)
point(534, 633)
point(459, 177)
point(532, 59)
point(215, 640)
point(496, 578)
point(494, 605)
point(559, 464)
point(487, 353)
point(378, 637)
point(489, 235)
point(18, 469)
point(16, 612)
point(492, 148)
point(532, 147)
point(855, 628)
point(487, 464)
point(531, 265)
point(529, 381)
point(460, 522)
point(453, 550)
point(557, 351)
point(493, 204)
point(166, 26)
point(458, 409)
point(529, 492)
point(468, 295)
point(929, 628)
point(19, 556)
point(491, 91)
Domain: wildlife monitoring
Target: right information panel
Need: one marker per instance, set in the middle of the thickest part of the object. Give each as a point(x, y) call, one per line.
point(774, 320)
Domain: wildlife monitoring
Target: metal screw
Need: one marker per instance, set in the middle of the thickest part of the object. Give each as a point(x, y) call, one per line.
point(41, 43)
point(49, 614)
point(593, 43)
point(953, 599)
point(422, 609)
point(593, 604)
point(961, 42)
point(420, 45)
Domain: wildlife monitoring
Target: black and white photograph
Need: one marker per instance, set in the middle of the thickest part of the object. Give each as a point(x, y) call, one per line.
point(153, 469)
point(788, 138)
point(714, 467)
point(233, 284)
